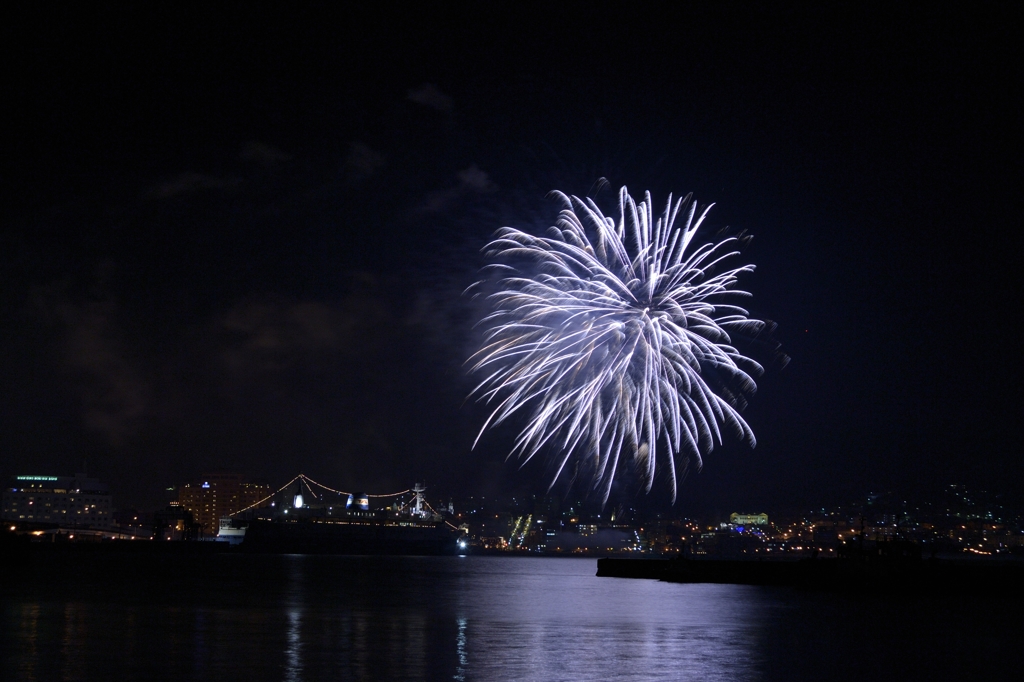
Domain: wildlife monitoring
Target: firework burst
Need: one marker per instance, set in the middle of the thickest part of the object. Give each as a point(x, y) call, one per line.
point(614, 335)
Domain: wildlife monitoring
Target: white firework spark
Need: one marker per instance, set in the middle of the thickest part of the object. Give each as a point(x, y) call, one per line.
point(614, 338)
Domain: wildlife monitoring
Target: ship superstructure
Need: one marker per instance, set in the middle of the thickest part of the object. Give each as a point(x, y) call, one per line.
point(305, 517)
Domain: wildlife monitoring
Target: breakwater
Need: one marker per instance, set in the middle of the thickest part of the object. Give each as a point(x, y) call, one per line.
point(934, 575)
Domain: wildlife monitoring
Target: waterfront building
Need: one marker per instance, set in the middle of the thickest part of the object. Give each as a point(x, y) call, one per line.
point(217, 495)
point(737, 519)
point(64, 501)
point(174, 523)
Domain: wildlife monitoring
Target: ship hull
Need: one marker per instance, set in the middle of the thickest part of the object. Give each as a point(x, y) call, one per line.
point(310, 536)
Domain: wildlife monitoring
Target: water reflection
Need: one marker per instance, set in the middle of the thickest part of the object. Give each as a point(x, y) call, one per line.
point(294, 598)
point(476, 618)
point(460, 649)
point(71, 640)
point(293, 654)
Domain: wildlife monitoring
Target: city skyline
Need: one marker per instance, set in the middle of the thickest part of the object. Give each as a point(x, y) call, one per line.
point(240, 494)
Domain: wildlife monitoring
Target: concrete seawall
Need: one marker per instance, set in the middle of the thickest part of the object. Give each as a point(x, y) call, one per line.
point(935, 576)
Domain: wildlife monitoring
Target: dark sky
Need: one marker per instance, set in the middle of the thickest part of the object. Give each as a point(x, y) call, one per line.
point(236, 238)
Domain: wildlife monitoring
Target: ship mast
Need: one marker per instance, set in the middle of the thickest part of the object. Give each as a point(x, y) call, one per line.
point(418, 503)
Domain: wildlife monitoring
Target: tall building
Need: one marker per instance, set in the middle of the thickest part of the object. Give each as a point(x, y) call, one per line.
point(217, 495)
point(67, 501)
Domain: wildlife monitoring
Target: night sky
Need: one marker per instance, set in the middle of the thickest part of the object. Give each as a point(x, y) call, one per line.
point(237, 238)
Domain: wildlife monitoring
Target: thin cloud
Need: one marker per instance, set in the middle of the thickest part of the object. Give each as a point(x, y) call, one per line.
point(470, 180)
point(476, 179)
point(272, 334)
point(429, 96)
point(187, 183)
point(115, 395)
point(263, 154)
point(362, 162)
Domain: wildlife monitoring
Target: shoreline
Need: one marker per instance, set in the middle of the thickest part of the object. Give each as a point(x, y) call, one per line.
point(834, 575)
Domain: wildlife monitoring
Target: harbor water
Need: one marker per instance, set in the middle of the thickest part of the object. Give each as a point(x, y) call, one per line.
point(128, 616)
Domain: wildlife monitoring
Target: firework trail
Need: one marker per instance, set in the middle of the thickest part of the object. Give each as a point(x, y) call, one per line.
point(614, 337)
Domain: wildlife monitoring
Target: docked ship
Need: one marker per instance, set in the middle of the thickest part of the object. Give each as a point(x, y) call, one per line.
point(299, 519)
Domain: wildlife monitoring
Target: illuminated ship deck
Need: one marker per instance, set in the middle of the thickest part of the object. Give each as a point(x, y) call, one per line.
point(320, 535)
point(327, 521)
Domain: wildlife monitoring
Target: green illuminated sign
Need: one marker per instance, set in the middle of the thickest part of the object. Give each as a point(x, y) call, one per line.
point(37, 478)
